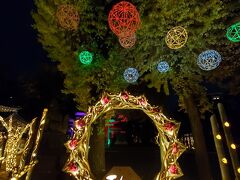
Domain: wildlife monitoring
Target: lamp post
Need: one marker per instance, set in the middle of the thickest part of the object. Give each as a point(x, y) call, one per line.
point(229, 140)
point(219, 148)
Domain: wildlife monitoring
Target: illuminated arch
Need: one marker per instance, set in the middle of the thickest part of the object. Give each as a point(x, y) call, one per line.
point(77, 163)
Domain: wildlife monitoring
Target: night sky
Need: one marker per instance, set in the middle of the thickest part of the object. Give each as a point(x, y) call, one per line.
point(22, 58)
point(20, 51)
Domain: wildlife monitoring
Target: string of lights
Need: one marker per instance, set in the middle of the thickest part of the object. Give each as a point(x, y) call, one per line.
point(17, 148)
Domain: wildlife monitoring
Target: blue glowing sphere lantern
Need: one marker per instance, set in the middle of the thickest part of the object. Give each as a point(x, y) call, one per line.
point(209, 60)
point(131, 75)
point(162, 67)
point(86, 57)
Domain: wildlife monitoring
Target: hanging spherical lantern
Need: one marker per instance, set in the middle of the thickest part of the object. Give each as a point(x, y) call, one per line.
point(176, 37)
point(128, 42)
point(209, 60)
point(233, 32)
point(124, 19)
point(85, 57)
point(67, 17)
point(131, 75)
point(163, 66)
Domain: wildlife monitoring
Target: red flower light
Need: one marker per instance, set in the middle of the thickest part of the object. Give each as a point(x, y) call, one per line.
point(72, 167)
point(105, 100)
point(156, 109)
point(73, 144)
point(173, 169)
point(124, 19)
point(169, 126)
point(124, 95)
point(175, 149)
point(79, 124)
point(143, 102)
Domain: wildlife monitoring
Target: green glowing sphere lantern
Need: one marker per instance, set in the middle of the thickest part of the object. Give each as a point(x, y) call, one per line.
point(85, 57)
point(233, 32)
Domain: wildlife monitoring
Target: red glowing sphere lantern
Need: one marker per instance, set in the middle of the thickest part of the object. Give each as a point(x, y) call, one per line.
point(124, 19)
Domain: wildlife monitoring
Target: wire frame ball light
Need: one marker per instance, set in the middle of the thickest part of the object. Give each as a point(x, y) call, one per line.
point(131, 75)
point(176, 37)
point(128, 42)
point(85, 57)
point(124, 19)
point(209, 60)
point(67, 17)
point(233, 32)
point(163, 66)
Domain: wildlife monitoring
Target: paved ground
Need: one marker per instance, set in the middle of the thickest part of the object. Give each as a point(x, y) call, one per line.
point(144, 160)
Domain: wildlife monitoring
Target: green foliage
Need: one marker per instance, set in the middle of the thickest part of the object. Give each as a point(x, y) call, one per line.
point(84, 81)
point(204, 21)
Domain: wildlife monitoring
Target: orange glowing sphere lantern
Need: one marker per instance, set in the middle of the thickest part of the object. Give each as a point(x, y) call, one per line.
point(128, 42)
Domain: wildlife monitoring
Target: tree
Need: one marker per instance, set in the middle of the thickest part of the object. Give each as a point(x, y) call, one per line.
point(63, 46)
point(203, 21)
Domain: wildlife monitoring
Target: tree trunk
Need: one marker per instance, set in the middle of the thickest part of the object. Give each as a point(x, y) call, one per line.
point(97, 150)
point(201, 154)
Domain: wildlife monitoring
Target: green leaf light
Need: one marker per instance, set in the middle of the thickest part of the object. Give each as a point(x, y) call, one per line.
point(85, 57)
point(233, 32)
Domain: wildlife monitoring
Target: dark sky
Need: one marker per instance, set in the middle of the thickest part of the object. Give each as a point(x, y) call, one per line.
point(20, 51)
point(22, 57)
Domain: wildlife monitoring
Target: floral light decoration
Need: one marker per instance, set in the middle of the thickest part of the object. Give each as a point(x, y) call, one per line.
point(72, 144)
point(77, 163)
point(79, 124)
point(67, 17)
point(124, 19)
point(19, 160)
point(233, 32)
point(176, 37)
point(72, 168)
point(128, 41)
point(209, 60)
point(163, 66)
point(86, 57)
point(131, 75)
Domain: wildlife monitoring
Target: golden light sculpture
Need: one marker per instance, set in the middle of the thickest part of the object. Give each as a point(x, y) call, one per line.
point(176, 37)
point(77, 164)
point(67, 17)
point(20, 151)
